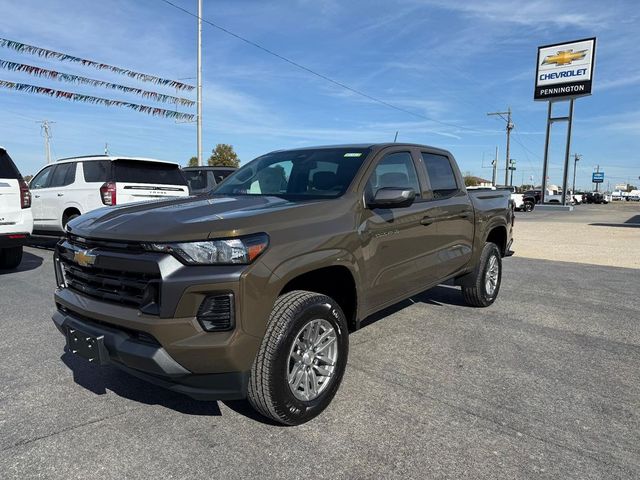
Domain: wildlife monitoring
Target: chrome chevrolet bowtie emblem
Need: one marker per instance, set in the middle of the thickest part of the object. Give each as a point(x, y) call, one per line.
point(84, 258)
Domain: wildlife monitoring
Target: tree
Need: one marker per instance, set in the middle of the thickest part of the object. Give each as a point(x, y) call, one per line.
point(224, 156)
point(471, 180)
point(193, 162)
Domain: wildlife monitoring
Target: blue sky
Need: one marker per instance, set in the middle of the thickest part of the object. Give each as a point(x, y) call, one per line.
point(450, 61)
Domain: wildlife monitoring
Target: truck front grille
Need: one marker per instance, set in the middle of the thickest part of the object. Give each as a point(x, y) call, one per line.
point(133, 289)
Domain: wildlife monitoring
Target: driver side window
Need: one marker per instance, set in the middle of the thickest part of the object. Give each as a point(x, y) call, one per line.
point(41, 180)
point(394, 170)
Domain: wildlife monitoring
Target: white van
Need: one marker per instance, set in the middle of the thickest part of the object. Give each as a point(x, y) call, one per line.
point(73, 186)
point(16, 222)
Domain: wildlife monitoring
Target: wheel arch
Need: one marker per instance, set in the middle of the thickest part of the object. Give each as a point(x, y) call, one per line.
point(498, 235)
point(337, 281)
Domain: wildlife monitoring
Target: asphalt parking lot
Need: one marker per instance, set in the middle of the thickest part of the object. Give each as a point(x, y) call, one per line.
point(543, 384)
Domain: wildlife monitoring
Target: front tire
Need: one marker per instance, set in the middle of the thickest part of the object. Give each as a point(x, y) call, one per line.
point(528, 206)
point(487, 277)
point(10, 258)
point(301, 360)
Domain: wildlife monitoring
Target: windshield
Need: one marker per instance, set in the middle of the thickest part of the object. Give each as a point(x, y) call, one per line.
point(297, 174)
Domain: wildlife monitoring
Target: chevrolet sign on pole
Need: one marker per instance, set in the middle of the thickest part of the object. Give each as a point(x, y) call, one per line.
point(565, 70)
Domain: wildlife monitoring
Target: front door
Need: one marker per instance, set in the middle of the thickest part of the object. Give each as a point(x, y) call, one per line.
point(38, 187)
point(397, 242)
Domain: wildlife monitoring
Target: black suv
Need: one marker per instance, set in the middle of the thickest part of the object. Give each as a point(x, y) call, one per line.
point(203, 179)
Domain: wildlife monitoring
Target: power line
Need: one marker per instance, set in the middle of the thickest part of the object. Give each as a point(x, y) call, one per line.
point(318, 74)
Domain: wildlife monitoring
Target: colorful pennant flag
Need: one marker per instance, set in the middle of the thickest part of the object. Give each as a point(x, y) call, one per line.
point(77, 97)
point(43, 72)
point(43, 52)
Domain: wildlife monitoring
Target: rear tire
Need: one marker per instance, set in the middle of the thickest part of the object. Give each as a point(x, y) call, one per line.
point(528, 206)
point(10, 258)
point(282, 380)
point(487, 277)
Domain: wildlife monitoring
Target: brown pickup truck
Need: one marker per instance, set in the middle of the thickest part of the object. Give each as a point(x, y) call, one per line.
point(251, 290)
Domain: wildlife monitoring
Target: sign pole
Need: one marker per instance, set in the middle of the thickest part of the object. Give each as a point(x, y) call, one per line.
point(545, 165)
point(566, 154)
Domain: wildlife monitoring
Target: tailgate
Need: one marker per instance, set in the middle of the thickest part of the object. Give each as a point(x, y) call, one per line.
point(138, 192)
point(10, 210)
point(139, 180)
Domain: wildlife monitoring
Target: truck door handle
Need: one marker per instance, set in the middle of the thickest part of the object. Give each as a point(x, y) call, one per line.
point(426, 221)
point(61, 194)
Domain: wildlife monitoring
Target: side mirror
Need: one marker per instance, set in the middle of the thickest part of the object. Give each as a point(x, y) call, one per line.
point(391, 197)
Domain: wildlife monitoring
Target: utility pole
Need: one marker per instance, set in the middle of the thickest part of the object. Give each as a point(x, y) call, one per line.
point(576, 159)
point(495, 168)
point(199, 81)
point(106, 148)
point(45, 131)
point(509, 128)
point(395, 139)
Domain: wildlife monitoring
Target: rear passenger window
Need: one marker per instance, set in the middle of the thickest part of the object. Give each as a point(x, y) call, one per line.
point(441, 176)
point(63, 175)
point(97, 171)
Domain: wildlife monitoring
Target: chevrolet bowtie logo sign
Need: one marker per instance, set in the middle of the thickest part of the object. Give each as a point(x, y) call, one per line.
point(84, 258)
point(564, 57)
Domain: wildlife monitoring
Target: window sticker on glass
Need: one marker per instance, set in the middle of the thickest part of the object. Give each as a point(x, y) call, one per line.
point(353, 154)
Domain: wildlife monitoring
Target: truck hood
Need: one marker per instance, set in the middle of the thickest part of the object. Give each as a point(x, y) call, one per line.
point(193, 218)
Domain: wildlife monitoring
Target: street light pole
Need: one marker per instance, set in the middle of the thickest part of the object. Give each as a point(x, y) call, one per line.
point(576, 159)
point(199, 83)
point(512, 167)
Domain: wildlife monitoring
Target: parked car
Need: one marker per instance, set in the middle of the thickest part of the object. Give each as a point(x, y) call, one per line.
point(535, 194)
point(203, 179)
point(596, 197)
point(73, 186)
point(634, 196)
point(577, 198)
point(16, 221)
point(251, 290)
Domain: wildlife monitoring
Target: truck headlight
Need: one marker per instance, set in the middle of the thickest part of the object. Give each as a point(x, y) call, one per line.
point(242, 250)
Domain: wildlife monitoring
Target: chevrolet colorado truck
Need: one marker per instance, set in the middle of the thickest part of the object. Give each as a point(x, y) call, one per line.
point(251, 290)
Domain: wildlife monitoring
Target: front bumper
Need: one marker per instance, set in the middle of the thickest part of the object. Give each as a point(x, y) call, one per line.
point(140, 355)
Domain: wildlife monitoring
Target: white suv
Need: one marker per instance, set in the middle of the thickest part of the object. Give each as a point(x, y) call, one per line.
point(16, 222)
point(73, 186)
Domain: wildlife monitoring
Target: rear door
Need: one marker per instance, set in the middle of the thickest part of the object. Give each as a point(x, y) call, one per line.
point(139, 180)
point(10, 208)
point(451, 212)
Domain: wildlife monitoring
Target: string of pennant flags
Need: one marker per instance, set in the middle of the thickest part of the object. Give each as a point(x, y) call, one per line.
point(45, 53)
point(77, 97)
point(53, 74)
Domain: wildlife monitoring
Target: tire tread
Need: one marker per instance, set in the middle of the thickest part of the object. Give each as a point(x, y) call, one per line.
point(259, 388)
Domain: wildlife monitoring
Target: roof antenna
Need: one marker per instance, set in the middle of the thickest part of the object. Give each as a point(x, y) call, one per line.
point(395, 139)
